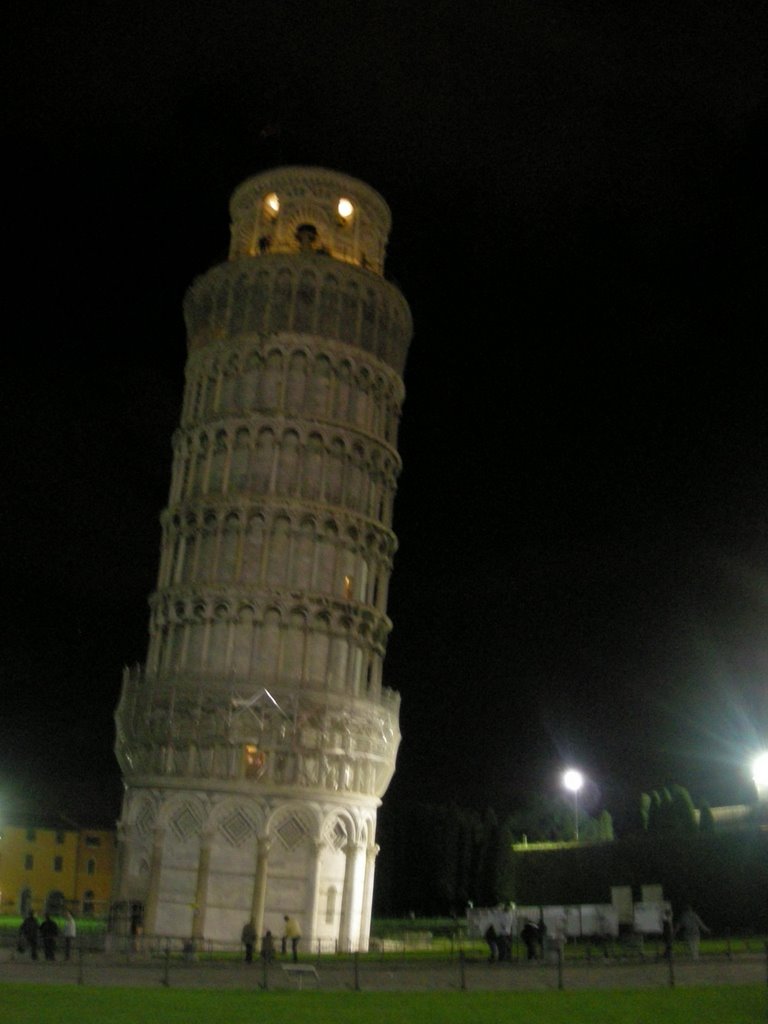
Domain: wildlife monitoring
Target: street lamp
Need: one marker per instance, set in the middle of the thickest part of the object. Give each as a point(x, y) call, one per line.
point(573, 780)
point(760, 775)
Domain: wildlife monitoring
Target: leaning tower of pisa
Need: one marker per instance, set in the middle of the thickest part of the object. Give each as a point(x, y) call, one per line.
point(258, 739)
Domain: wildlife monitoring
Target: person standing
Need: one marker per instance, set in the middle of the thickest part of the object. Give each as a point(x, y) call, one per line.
point(268, 948)
point(691, 925)
point(48, 932)
point(248, 938)
point(29, 934)
point(292, 934)
point(530, 936)
point(70, 931)
point(491, 938)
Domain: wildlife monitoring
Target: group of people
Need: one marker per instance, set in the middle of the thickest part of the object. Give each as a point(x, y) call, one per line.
point(499, 945)
point(291, 934)
point(500, 942)
point(534, 936)
point(33, 932)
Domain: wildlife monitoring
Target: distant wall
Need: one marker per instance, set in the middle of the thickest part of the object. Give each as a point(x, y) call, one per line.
point(724, 876)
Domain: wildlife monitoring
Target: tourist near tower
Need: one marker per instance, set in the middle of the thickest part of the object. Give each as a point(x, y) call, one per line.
point(257, 741)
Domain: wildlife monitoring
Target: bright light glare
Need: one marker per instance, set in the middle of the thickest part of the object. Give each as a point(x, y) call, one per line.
point(760, 770)
point(272, 202)
point(573, 780)
point(345, 208)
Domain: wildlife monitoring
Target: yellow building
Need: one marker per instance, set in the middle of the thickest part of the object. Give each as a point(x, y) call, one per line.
point(56, 869)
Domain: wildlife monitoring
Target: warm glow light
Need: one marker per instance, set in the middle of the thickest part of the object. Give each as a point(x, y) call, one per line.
point(573, 780)
point(272, 202)
point(345, 208)
point(760, 771)
point(254, 761)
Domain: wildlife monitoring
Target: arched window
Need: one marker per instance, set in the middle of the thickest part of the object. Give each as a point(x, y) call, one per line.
point(54, 903)
point(25, 902)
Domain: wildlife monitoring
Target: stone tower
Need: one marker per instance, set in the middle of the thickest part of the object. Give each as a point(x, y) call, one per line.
point(257, 741)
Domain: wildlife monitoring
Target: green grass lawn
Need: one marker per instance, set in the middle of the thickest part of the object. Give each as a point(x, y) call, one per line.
point(55, 1004)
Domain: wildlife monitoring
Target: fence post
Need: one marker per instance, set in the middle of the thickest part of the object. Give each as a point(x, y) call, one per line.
point(80, 965)
point(671, 966)
point(166, 980)
point(462, 971)
point(356, 964)
point(264, 972)
point(560, 965)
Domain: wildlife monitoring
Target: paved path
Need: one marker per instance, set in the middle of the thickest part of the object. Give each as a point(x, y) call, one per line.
point(99, 969)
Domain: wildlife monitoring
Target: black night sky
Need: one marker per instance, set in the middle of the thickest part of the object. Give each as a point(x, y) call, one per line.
point(579, 203)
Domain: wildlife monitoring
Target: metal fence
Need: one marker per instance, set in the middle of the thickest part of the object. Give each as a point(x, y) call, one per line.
point(466, 967)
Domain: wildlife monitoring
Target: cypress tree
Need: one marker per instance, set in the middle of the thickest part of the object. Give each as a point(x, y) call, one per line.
point(682, 811)
point(706, 819)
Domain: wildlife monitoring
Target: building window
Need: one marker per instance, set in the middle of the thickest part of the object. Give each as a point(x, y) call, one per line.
point(271, 205)
point(345, 209)
point(254, 761)
point(92, 841)
point(31, 835)
point(91, 866)
point(88, 898)
point(58, 863)
point(29, 862)
point(55, 903)
point(60, 838)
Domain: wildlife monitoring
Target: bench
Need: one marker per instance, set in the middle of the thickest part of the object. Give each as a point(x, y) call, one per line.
point(300, 972)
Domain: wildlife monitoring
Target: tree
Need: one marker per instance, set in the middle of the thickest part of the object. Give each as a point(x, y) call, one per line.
point(682, 811)
point(551, 820)
point(605, 825)
point(706, 819)
point(543, 820)
point(655, 817)
point(669, 810)
point(645, 809)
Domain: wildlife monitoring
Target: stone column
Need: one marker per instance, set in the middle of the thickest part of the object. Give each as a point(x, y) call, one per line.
point(365, 916)
point(153, 889)
point(350, 899)
point(201, 887)
point(260, 885)
point(313, 885)
point(120, 890)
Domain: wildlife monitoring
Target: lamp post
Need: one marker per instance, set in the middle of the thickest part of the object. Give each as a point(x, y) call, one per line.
point(573, 780)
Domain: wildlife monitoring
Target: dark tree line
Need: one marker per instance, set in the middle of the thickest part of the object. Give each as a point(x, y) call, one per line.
point(552, 820)
point(435, 859)
point(669, 809)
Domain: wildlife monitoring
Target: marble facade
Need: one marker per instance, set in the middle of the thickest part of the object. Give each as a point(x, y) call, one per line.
point(258, 739)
